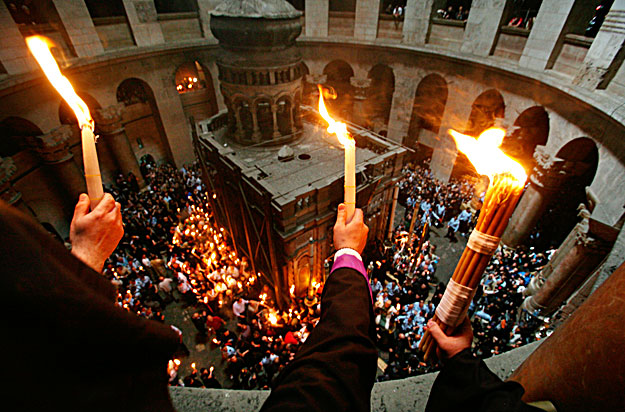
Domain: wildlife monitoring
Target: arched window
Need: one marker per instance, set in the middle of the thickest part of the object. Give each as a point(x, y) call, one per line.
point(339, 73)
point(380, 95)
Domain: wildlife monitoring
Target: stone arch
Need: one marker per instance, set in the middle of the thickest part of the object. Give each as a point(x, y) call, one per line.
point(427, 110)
point(194, 84)
point(308, 89)
point(264, 116)
point(142, 120)
point(13, 134)
point(581, 158)
point(243, 108)
point(284, 115)
point(531, 129)
point(487, 107)
point(380, 96)
point(338, 74)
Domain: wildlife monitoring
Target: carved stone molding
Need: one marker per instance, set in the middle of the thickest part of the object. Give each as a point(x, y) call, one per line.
point(7, 170)
point(361, 87)
point(53, 147)
point(109, 119)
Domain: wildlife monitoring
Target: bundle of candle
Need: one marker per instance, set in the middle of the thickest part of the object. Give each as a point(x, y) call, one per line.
point(507, 182)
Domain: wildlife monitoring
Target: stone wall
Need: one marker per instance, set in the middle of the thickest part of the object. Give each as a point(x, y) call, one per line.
point(409, 395)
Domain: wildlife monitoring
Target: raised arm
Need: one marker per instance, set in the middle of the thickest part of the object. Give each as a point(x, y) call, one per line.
point(335, 368)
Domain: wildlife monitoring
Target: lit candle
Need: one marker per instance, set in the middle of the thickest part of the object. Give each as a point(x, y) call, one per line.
point(349, 144)
point(40, 50)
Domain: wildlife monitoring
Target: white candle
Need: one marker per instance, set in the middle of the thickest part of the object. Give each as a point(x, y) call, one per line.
point(350, 179)
point(92, 168)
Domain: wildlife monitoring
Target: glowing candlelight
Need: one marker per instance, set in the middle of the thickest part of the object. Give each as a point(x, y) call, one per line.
point(40, 50)
point(340, 129)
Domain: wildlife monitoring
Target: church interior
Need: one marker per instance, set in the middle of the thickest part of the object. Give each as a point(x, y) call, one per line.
point(206, 113)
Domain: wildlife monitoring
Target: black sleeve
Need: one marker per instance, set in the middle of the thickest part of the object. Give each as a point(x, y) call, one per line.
point(466, 383)
point(334, 370)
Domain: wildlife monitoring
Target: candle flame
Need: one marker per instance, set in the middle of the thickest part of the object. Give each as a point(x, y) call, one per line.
point(486, 156)
point(338, 128)
point(40, 49)
point(273, 319)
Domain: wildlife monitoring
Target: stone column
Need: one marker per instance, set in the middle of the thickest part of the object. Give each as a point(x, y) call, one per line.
point(417, 18)
point(204, 10)
point(79, 27)
point(256, 135)
point(548, 177)
point(545, 39)
point(366, 24)
point(316, 18)
point(401, 105)
point(483, 24)
point(579, 255)
point(53, 149)
point(14, 54)
point(143, 22)
point(361, 90)
point(580, 366)
point(274, 116)
point(604, 53)
point(391, 219)
point(113, 135)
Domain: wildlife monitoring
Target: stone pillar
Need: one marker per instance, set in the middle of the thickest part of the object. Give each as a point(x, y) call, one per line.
point(204, 10)
point(579, 255)
point(256, 135)
point(53, 149)
point(79, 27)
point(366, 24)
point(580, 366)
point(483, 24)
point(113, 135)
point(359, 111)
point(547, 178)
point(14, 54)
point(401, 105)
point(417, 18)
point(144, 25)
point(316, 18)
point(604, 53)
point(545, 39)
point(391, 219)
point(274, 116)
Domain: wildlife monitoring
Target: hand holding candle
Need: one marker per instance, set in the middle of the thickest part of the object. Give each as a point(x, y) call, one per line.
point(40, 50)
point(340, 129)
point(507, 179)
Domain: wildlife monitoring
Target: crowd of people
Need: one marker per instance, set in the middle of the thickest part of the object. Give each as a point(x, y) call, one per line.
point(407, 290)
point(173, 251)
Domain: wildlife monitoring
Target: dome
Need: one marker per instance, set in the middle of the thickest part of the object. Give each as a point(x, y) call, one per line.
point(265, 9)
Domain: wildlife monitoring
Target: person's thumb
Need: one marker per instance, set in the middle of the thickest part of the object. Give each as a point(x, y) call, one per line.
point(436, 332)
point(340, 217)
point(82, 207)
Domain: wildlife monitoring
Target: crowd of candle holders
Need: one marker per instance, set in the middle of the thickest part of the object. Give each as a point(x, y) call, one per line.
point(173, 251)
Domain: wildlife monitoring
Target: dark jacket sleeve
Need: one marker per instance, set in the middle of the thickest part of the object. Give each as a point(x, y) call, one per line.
point(85, 352)
point(335, 368)
point(466, 383)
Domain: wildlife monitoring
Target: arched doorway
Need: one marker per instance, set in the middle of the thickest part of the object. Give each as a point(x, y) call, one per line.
point(582, 160)
point(488, 107)
point(531, 129)
point(13, 134)
point(308, 89)
point(338, 74)
point(380, 96)
point(427, 113)
point(142, 120)
point(195, 88)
